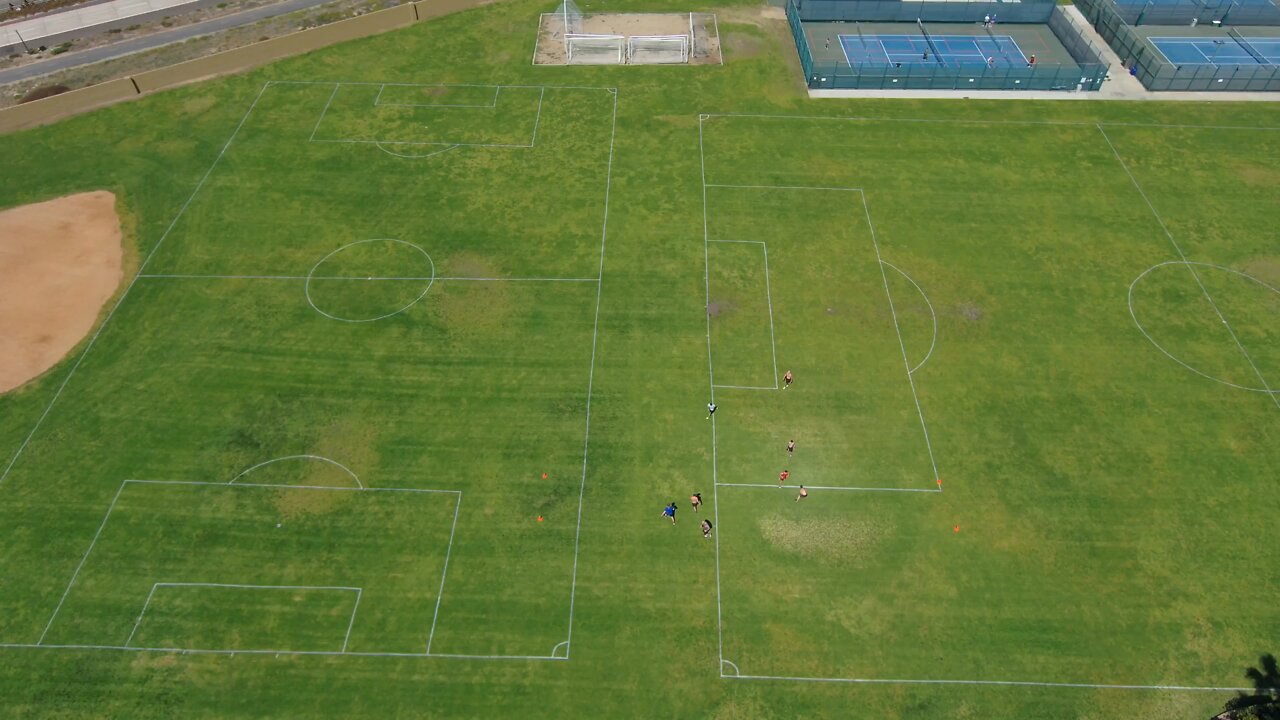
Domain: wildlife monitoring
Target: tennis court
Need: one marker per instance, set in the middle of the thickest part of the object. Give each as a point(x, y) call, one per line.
point(1233, 50)
point(947, 50)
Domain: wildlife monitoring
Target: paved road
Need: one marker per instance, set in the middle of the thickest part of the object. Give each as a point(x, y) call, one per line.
point(148, 42)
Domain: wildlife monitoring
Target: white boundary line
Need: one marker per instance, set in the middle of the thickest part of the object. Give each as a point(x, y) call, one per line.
point(934, 315)
point(444, 571)
point(358, 591)
point(1133, 314)
point(191, 651)
point(79, 567)
point(1016, 683)
point(833, 487)
point(321, 458)
point(768, 294)
point(591, 374)
point(1190, 267)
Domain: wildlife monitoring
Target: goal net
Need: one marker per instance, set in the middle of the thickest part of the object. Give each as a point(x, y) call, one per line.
point(658, 49)
point(582, 49)
point(571, 16)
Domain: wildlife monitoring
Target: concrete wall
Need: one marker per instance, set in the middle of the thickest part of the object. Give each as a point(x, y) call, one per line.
point(41, 112)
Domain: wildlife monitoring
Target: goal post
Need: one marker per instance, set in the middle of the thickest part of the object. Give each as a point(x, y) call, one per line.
point(658, 49)
point(584, 49)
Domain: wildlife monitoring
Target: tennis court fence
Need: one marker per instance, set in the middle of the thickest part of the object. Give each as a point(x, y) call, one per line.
point(1157, 73)
point(1086, 73)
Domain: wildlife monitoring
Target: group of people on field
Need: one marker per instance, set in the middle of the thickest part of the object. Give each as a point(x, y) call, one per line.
point(695, 500)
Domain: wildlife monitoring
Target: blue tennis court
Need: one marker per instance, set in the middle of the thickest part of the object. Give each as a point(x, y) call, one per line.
point(1221, 51)
point(950, 50)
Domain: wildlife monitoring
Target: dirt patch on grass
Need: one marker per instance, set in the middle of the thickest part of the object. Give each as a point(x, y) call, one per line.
point(472, 308)
point(969, 312)
point(743, 45)
point(719, 307)
point(469, 265)
point(1266, 269)
point(60, 261)
point(836, 540)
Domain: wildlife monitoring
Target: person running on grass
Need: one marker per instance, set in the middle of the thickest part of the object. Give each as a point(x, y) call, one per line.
point(786, 379)
point(711, 410)
point(782, 477)
point(791, 448)
point(706, 529)
point(803, 494)
point(670, 512)
point(696, 501)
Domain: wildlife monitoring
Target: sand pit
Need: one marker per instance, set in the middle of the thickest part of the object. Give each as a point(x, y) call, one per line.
point(60, 261)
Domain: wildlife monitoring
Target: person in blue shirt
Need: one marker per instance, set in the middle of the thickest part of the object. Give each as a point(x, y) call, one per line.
point(670, 512)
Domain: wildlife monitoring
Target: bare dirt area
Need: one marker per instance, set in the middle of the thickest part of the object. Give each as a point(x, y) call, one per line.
point(550, 48)
point(60, 261)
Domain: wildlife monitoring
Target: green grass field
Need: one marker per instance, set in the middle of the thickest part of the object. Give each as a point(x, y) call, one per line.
point(298, 470)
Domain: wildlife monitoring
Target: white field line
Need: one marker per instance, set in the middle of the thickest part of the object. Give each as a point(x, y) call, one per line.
point(223, 651)
point(906, 363)
point(321, 458)
point(833, 487)
point(377, 100)
point(1190, 267)
point(352, 622)
point(363, 279)
point(1013, 683)
point(537, 119)
point(141, 268)
point(711, 382)
point(932, 314)
point(591, 374)
point(83, 558)
point(941, 121)
point(420, 156)
point(768, 295)
point(443, 572)
point(147, 603)
point(138, 622)
point(334, 94)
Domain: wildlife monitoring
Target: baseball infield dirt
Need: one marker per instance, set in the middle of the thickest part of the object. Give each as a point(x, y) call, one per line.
point(60, 261)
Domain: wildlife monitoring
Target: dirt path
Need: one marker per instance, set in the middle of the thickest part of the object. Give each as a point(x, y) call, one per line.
point(60, 261)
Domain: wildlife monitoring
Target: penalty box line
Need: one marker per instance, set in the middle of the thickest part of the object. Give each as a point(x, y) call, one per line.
point(768, 294)
point(337, 86)
point(350, 623)
point(110, 508)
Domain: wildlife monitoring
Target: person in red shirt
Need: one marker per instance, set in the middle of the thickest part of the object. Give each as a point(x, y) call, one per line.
point(782, 477)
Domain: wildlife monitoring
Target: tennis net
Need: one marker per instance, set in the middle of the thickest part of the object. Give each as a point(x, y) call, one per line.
point(927, 38)
point(1262, 59)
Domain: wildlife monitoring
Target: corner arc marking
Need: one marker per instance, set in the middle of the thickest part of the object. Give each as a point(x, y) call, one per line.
point(736, 671)
point(932, 313)
point(563, 644)
point(321, 458)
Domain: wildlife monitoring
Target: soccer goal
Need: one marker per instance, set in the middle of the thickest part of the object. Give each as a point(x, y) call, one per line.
point(658, 49)
point(583, 49)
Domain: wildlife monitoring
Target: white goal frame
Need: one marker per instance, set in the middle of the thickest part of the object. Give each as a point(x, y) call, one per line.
point(658, 49)
point(579, 47)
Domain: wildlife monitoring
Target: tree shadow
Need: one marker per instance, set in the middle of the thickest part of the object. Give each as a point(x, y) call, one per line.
point(1264, 702)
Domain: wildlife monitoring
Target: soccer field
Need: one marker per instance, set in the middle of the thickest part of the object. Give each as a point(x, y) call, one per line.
point(417, 339)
